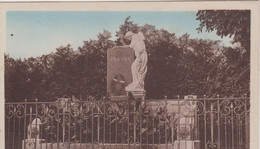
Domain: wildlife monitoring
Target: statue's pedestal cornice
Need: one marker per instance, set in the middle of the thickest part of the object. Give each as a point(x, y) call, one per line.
point(138, 95)
point(119, 98)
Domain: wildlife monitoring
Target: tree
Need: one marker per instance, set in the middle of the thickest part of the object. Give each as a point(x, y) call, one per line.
point(235, 24)
point(232, 23)
point(234, 73)
point(62, 72)
point(92, 63)
point(16, 80)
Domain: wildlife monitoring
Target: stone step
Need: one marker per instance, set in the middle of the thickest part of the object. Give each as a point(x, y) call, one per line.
point(182, 144)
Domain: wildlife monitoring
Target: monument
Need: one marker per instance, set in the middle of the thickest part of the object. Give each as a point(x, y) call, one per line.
point(139, 66)
point(187, 123)
point(33, 135)
point(34, 129)
point(119, 61)
point(127, 68)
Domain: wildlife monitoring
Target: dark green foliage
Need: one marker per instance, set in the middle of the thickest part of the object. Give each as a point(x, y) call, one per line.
point(16, 79)
point(235, 73)
point(232, 23)
point(176, 66)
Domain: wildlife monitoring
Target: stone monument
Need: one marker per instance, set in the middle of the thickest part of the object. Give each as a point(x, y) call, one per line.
point(127, 68)
point(186, 123)
point(33, 135)
point(119, 61)
point(34, 129)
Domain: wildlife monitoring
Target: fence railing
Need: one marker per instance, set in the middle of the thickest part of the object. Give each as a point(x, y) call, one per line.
point(207, 123)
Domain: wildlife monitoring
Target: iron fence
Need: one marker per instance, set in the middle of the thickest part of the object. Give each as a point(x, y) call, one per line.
point(207, 123)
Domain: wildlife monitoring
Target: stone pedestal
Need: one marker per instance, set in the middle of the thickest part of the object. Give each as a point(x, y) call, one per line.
point(66, 145)
point(185, 144)
point(32, 143)
point(138, 95)
point(185, 130)
point(187, 118)
point(34, 129)
point(118, 98)
point(33, 134)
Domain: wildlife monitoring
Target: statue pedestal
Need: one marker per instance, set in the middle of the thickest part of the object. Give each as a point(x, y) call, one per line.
point(138, 95)
point(185, 144)
point(119, 98)
point(32, 143)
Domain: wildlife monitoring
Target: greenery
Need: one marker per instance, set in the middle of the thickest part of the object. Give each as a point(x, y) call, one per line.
point(235, 23)
point(176, 66)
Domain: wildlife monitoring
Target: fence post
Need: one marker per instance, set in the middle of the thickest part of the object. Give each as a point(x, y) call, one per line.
point(218, 121)
point(232, 124)
point(63, 124)
point(211, 122)
point(98, 123)
point(36, 115)
point(24, 135)
point(247, 128)
point(141, 121)
point(134, 123)
point(205, 123)
point(165, 124)
point(92, 124)
point(178, 127)
point(128, 121)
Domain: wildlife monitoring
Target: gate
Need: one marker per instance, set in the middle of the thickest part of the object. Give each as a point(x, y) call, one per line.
point(206, 123)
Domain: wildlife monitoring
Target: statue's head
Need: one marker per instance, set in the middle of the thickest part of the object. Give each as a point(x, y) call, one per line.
point(128, 35)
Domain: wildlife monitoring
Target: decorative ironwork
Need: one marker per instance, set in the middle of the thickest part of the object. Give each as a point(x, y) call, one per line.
point(184, 133)
point(199, 108)
point(173, 123)
point(187, 107)
point(42, 110)
point(225, 107)
point(19, 112)
point(9, 111)
point(212, 145)
point(239, 107)
point(52, 110)
point(30, 144)
point(75, 109)
point(86, 110)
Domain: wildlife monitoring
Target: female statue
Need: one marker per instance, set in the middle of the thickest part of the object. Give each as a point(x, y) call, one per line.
point(139, 66)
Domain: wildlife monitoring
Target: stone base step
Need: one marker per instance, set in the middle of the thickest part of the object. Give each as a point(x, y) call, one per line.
point(176, 145)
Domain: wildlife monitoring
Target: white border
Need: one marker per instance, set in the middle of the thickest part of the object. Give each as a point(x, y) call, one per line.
point(143, 6)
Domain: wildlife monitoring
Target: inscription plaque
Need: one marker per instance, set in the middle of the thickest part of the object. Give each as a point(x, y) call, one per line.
point(119, 61)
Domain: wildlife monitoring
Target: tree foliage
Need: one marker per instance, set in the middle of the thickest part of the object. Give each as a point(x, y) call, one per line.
point(176, 66)
point(235, 24)
point(232, 23)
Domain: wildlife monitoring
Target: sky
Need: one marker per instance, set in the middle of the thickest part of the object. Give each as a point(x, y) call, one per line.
point(34, 33)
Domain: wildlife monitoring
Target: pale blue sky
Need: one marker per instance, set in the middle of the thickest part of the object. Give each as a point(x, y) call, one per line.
point(37, 33)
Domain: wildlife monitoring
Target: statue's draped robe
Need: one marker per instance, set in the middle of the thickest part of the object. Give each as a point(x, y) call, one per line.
point(139, 66)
